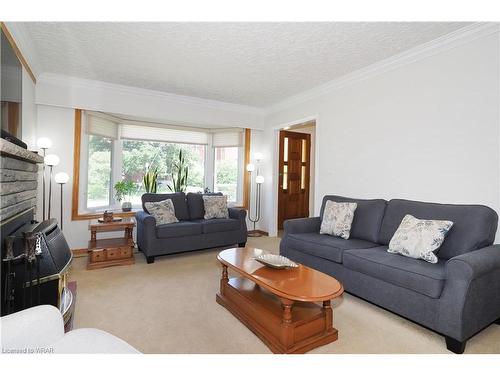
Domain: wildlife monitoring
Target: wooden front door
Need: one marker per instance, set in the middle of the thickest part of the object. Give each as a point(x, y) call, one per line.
point(294, 169)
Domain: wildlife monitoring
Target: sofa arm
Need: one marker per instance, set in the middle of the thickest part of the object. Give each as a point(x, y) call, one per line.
point(146, 231)
point(470, 300)
point(237, 213)
point(31, 329)
point(145, 219)
point(474, 264)
point(306, 225)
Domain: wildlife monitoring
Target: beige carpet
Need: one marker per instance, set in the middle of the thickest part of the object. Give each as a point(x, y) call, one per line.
point(169, 307)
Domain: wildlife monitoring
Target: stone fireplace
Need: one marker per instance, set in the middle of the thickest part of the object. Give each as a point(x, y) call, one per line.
point(35, 256)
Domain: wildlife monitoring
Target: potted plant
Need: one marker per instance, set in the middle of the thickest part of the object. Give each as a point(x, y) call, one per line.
point(124, 189)
point(151, 181)
point(180, 177)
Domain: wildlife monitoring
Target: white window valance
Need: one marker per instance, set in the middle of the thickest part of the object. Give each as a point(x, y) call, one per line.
point(163, 134)
point(102, 125)
point(113, 127)
point(227, 138)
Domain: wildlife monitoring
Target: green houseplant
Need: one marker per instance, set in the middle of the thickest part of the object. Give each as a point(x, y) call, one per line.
point(124, 189)
point(151, 181)
point(180, 174)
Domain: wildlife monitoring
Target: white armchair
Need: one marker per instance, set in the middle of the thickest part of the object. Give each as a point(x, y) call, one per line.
point(40, 329)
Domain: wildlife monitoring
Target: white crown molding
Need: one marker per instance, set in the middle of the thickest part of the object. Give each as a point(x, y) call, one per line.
point(75, 83)
point(25, 45)
point(441, 44)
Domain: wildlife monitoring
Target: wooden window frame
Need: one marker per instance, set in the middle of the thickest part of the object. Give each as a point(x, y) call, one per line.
point(75, 215)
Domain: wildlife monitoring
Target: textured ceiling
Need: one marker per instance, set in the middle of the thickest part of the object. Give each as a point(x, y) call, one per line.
point(255, 64)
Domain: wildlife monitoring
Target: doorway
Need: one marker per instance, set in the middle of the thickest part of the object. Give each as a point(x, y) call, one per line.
point(294, 173)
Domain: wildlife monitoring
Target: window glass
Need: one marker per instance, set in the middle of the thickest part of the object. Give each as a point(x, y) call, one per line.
point(99, 171)
point(226, 172)
point(138, 156)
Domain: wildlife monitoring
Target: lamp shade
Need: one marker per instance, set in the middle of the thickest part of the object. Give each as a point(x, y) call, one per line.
point(250, 167)
point(44, 143)
point(51, 160)
point(258, 156)
point(61, 177)
point(259, 179)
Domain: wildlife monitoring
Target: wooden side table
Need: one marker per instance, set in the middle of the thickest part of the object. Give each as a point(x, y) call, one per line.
point(111, 251)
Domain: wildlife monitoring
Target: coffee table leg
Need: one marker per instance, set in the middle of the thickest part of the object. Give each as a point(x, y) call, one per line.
point(327, 308)
point(287, 310)
point(224, 279)
point(286, 335)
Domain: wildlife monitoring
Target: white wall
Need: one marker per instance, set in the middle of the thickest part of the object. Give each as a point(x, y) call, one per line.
point(426, 130)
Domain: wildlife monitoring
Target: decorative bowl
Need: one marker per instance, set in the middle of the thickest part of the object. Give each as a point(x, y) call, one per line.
point(276, 261)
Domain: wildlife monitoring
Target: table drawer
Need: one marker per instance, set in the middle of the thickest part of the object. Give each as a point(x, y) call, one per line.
point(97, 256)
point(126, 252)
point(114, 253)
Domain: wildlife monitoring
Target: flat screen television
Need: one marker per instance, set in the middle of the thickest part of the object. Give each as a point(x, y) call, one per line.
point(11, 87)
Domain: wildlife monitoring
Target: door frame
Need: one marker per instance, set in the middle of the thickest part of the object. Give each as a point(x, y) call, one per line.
point(314, 208)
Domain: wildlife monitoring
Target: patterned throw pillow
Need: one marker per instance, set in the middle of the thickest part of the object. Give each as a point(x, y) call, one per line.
point(419, 239)
point(337, 219)
point(162, 211)
point(215, 206)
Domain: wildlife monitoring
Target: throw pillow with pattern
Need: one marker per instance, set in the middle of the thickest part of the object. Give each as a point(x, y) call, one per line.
point(162, 211)
point(215, 207)
point(337, 219)
point(419, 239)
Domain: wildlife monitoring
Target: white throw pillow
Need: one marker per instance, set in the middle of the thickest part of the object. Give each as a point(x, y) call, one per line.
point(419, 239)
point(337, 219)
point(215, 206)
point(162, 211)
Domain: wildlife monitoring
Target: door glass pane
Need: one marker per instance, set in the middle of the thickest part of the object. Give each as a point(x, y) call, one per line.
point(304, 151)
point(285, 149)
point(285, 177)
point(303, 177)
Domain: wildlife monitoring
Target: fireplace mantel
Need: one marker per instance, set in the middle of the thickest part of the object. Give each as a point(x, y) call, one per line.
point(14, 151)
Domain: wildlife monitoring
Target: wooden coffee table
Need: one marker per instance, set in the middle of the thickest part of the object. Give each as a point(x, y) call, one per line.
point(288, 309)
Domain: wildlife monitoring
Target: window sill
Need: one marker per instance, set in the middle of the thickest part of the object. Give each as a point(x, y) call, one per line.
point(96, 215)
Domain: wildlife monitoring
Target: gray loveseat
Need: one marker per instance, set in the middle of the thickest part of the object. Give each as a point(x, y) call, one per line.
point(457, 297)
point(192, 232)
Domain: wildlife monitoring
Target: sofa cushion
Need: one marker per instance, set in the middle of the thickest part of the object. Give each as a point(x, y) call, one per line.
point(180, 229)
point(474, 226)
point(337, 219)
point(417, 275)
point(367, 218)
point(196, 206)
point(219, 225)
point(419, 239)
point(178, 199)
point(325, 246)
point(162, 211)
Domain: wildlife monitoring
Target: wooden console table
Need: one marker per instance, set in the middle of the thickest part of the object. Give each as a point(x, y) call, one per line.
point(111, 251)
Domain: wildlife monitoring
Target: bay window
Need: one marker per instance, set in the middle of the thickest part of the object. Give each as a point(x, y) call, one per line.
point(115, 149)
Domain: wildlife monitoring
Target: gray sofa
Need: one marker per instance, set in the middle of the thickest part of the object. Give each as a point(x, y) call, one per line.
point(192, 232)
point(457, 297)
